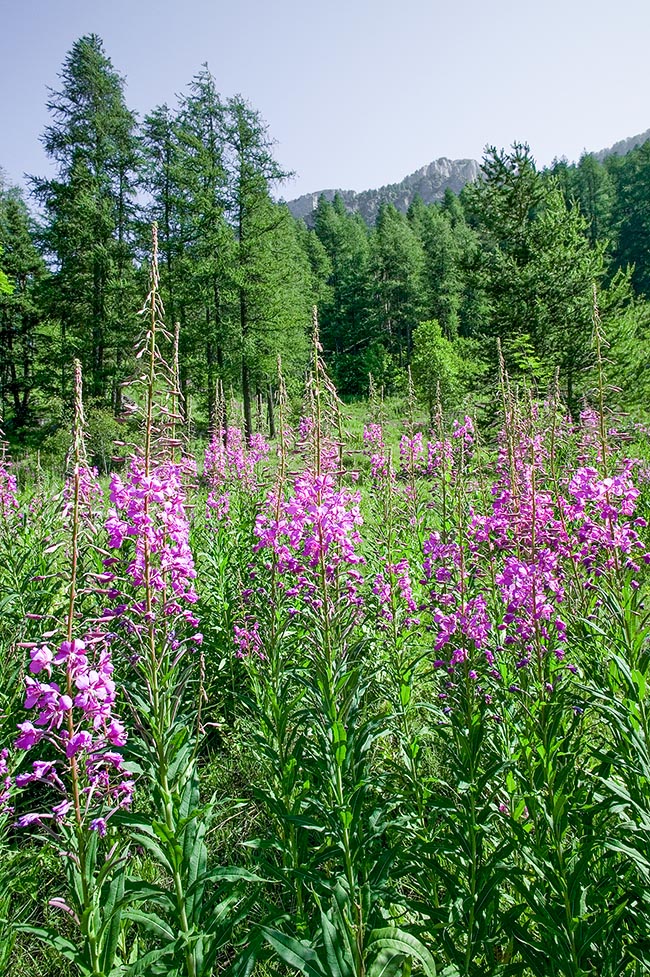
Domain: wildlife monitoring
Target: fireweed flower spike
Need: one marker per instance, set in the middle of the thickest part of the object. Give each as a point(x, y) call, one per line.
point(8, 484)
point(315, 526)
point(155, 623)
point(380, 467)
point(73, 707)
point(231, 464)
point(74, 715)
point(70, 694)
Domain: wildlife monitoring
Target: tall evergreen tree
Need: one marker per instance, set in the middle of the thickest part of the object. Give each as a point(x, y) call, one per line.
point(594, 192)
point(253, 172)
point(161, 178)
point(348, 329)
point(442, 281)
point(89, 208)
point(631, 213)
point(539, 269)
point(397, 267)
point(209, 288)
point(22, 345)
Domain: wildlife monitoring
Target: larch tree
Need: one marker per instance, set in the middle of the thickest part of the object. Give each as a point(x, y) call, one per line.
point(397, 272)
point(20, 314)
point(209, 249)
point(253, 173)
point(89, 211)
point(349, 332)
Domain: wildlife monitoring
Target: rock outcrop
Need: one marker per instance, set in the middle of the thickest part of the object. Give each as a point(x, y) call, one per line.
point(429, 182)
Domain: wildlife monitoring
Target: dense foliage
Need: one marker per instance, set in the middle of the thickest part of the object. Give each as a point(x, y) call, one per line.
point(372, 701)
point(516, 258)
point(292, 687)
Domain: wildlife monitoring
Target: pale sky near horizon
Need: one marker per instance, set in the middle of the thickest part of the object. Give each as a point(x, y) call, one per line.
point(357, 94)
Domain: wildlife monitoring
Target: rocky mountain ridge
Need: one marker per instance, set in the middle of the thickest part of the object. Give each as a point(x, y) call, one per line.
point(429, 182)
point(623, 147)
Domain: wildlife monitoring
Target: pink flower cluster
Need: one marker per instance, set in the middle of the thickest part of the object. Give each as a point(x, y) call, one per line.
point(150, 511)
point(463, 624)
point(6, 783)
point(459, 622)
point(317, 521)
point(411, 453)
point(416, 459)
point(601, 510)
point(248, 639)
point(229, 462)
point(531, 593)
point(440, 456)
point(530, 537)
point(441, 560)
point(373, 437)
point(75, 717)
point(392, 585)
point(8, 491)
point(464, 434)
point(314, 530)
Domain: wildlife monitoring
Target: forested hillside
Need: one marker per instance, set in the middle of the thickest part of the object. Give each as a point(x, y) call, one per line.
point(520, 256)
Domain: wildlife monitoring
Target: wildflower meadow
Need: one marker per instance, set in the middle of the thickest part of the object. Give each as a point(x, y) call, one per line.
point(361, 699)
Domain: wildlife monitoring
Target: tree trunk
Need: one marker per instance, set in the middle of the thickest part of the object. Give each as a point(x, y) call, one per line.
point(245, 372)
point(246, 392)
point(270, 411)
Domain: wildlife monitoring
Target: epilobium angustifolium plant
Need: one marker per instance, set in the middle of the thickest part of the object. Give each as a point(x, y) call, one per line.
point(349, 702)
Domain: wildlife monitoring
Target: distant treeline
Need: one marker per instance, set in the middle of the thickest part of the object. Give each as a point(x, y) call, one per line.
point(522, 256)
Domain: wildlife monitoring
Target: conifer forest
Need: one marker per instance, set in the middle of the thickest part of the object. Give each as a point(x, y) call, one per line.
point(324, 560)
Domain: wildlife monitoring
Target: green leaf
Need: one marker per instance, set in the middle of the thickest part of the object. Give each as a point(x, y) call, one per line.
point(295, 953)
point(386, 964)
point(152, 922)
point(142, 967)
point(110, 933)
point(339, 965)
point(50, 936)
point(399, 941)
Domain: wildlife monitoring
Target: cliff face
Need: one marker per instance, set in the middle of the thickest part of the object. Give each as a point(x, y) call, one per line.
point(623, 147)
point(429, 182)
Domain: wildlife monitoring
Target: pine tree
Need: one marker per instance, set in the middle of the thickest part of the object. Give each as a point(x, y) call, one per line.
point(252, 173)
point(89, 208)
point(538, 268)
point(22, 346)
point(349, 330)
point(397, 269)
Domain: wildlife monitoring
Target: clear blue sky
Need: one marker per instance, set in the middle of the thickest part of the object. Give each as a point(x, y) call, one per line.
point(357, 93)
